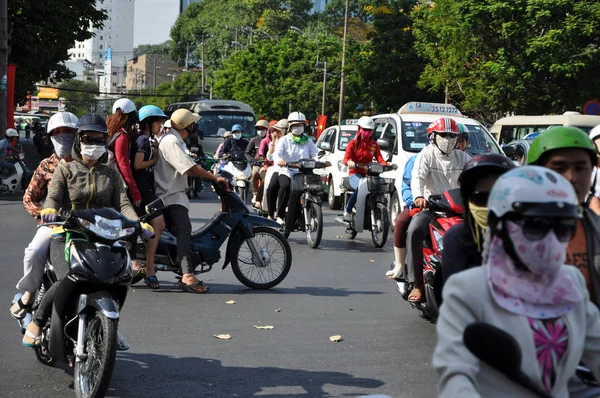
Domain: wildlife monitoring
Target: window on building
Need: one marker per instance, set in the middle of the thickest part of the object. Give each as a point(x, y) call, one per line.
point(101, 37)
point(114, 73)
point(101, 46)
point(114, 84)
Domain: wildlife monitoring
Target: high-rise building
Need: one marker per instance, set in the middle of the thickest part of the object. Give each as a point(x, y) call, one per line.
point(103, 58)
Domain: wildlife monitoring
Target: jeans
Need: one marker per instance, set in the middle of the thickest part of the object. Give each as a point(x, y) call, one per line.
point(354, 180)
point(177, 220)
point(36, 254)
point(418, 229)
point(7, 165)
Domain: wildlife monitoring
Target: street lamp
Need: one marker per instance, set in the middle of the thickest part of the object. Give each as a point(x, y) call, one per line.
point(295, 29)
point(235, 43)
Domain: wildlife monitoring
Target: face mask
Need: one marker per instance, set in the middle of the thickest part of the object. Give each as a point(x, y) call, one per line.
point(367, 134)
point(261, 133)
point(542, 257)
point(237, 136)
point(63, 144)
point(480, 214)
point(92, 152)
point(297, 130)
point(446, 144)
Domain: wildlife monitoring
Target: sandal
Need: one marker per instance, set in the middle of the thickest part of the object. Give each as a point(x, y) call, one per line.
point(196, 288)
point(415, 296)
point(152, 282)
point(19, 309)
point(30, 340)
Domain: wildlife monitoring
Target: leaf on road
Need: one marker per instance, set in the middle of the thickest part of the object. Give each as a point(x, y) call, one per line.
point(230, 302)
point(223, 336)
point(278, 310)
point(336, 338)
point(263, 327)
point(371, 260)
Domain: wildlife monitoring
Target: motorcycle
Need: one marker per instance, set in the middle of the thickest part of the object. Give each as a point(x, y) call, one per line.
point(448, 209)
point(241, 172)
point(83, 326)
point(307, 214)
point(260, 256)
point(19, 179)
point(371, 205)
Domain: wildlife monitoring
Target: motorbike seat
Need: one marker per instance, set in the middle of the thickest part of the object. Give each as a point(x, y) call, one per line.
point(346, 184)
point(208, 226)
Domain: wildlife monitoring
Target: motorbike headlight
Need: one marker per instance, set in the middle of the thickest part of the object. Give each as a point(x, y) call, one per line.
point(241, 176)
point(439, 240)
point(309, 164)
point(106, 228)
point(377, 168)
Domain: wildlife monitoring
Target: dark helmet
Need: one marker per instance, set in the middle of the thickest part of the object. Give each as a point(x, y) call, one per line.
point(92, 122)
point(480, 166)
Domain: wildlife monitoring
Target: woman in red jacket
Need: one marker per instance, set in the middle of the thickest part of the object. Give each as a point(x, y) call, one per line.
point(122, 132)
point(360, 150)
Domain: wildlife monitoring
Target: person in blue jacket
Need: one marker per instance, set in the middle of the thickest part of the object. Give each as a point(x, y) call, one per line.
point(402, 221)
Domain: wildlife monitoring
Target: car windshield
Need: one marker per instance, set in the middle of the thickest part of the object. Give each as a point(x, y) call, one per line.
point(216, 123)
point(345, 137)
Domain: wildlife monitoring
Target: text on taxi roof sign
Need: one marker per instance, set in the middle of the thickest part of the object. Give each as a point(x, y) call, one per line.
point(347, 122)
point(429, 107)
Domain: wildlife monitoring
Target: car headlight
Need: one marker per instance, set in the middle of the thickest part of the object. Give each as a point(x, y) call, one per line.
point(439, 240)
point(106, 228)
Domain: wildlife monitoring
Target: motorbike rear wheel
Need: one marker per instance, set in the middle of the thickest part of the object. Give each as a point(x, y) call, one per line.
point(275, 252)
point(379, 231)
point(314, 229)
point(41, 352)
point(92, 374)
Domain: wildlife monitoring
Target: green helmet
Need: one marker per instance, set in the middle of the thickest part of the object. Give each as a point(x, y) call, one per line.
point(560, 137)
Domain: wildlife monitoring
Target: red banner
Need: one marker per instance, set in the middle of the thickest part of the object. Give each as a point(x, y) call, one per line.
point(10, 96)
point(321, 123)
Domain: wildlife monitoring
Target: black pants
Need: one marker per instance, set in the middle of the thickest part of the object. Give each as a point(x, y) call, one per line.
point(417, 231)
point(177, 220)
point(272, 193)
point(61, 269)
point(284, 194)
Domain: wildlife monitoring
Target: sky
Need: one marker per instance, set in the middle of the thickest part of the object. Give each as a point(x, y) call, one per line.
point(153, 20)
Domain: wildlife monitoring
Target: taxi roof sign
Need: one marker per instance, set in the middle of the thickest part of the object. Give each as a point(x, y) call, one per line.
point(429, 107)
point(347, 122)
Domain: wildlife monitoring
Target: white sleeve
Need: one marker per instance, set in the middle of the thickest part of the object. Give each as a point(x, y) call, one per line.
point(596, 182)
point(313, 151)
point(419, 173)
point(279, 150)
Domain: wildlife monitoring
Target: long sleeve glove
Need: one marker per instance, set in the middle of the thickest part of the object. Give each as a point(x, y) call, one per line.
point(48, 215)
point(147, 231)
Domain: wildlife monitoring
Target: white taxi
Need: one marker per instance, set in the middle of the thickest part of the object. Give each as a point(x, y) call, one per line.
point(403, 134)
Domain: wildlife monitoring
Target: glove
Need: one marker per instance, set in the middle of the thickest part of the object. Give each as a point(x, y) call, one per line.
point(351, 164)
point(147, 231)
point(48, 215)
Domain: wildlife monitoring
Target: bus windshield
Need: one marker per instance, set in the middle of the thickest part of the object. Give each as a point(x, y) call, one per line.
point(216, 123)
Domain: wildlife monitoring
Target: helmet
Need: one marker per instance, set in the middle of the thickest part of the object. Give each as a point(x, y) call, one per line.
point(560, 137)
point(124, 104)
point(281, 125)
point(366, 123)
point(443, 125)
point(595, 132)
point(296, 117)
point(262, 123)
point(151, 111)
point(480, 166)
point(62, 119)
point(236, 127)
point(167, 124)
point(533, 191)
point(182, 118)
point(92, 122)
point(11, 133)
point(463, 129)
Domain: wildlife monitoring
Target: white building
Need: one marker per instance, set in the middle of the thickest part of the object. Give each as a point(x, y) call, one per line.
point(108, 50)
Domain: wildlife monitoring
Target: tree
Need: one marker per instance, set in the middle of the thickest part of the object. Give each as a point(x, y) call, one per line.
point(41, 35)
point(528, 56)
point(185, 87)
point(80, 96)
point(162, 48)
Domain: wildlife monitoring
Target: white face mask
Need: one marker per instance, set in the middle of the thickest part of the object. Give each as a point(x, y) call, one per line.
point(237, 136)
point(446, 144)
point(63, 144)
point(92, 152)
point(297, 130)
point(261, 133)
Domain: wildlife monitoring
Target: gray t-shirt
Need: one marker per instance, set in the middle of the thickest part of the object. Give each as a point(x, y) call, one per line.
point(169, 172)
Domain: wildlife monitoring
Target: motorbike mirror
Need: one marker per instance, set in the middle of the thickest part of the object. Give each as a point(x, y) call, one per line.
point(383, 144)
point(499, 350)
point(321, 153)
point(508, 150)
point(155, 205)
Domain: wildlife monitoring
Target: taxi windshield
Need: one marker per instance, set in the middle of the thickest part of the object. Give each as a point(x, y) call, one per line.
point(345, 137)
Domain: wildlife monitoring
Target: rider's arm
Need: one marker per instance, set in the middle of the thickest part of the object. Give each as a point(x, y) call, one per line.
point(219, 149)
point(407, 197)
point(124, 162)
point(249, 152)
point(419, 173)
point(349, 155)
point(313, 151)
point(280, 150)
point(138, 160)
point(32, 199)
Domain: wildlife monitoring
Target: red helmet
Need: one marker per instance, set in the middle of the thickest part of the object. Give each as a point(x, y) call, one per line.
point(443, 125)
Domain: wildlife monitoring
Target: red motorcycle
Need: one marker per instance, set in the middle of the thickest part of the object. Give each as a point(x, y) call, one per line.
point(448, 209)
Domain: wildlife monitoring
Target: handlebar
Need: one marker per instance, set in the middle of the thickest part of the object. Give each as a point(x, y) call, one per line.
point(308, 164)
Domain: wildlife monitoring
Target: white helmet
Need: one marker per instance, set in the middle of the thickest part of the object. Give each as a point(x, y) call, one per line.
point(62, 119)
point(11, 133)
point(296, 117)
point(125, 104)
point(595, 132)
point(533, 191)
point(366, 123)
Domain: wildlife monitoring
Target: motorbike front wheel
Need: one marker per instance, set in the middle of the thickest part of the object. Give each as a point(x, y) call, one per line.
point(314, 229)
point(275, 253)
point(379, 231)
point(92, 374)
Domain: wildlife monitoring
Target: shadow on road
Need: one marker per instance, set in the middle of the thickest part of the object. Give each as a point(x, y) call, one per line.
point(364, 245)
point(151, 375)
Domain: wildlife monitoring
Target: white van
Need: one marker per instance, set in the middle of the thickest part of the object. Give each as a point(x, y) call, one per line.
point(512, 128)
point(403, 134)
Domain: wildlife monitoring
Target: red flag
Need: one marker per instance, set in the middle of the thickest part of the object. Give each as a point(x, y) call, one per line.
point(321, 123)
point(10, 95)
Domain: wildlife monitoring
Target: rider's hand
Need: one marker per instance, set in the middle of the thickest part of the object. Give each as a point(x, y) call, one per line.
point(282, 163)
point(327, 163)
point(147, 231)
point(48, 215)
point(220, 180)
point(351, 164)
point(421, 202)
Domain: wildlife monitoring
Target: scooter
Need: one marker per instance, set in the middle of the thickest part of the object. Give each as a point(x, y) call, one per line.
point(83, 327)
point(260, 256)
point(19, 179)
point(306, 214)
point(372, 211)
point(448, 209)
point(241, 172)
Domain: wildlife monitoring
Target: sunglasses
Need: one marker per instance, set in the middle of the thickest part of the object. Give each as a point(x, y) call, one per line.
point(536, 228)
point(479, 198)
point(85, 139)
point(446, 135)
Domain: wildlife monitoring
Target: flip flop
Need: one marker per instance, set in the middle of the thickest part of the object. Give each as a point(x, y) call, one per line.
point(190, 288)
point(14, 312)
point(36, 340)
point(152, 280)
point(414, 294)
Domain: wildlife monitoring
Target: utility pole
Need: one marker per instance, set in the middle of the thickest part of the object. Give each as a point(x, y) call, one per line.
point(3, 65)
point(324, 87)
point(341, 109)
point(187, 55)
point(154, 84)
point(203, 68)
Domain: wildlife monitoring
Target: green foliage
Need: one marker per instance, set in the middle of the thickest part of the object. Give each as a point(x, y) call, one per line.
point(162, 48)
point(185, 87)
point(79, 96)
point(41, 34)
